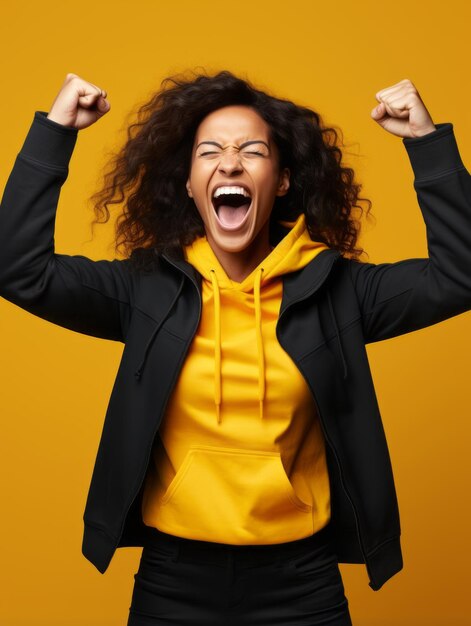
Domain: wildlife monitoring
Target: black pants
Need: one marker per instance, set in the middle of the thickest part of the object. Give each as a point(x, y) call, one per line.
point(185, 581)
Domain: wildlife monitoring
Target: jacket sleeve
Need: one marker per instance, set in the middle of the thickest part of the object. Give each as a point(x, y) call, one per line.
point(89, 297)
point(397, 298)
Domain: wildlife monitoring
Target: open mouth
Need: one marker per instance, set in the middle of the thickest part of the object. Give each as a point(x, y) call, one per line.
point(231, 208)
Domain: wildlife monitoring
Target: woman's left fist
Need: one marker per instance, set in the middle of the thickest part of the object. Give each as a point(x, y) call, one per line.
point(402, 112)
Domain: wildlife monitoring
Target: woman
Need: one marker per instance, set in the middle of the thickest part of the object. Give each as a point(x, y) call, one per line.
point(243, 446)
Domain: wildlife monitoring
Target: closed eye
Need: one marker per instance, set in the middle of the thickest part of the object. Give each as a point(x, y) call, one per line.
point(246, 152)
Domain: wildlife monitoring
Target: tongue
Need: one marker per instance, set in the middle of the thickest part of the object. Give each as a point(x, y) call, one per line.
point(232, 216)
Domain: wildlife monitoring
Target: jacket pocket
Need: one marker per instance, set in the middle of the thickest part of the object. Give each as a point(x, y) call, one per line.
point(233, 495)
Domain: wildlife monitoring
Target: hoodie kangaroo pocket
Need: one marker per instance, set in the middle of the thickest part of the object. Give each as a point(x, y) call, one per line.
point(233, 495)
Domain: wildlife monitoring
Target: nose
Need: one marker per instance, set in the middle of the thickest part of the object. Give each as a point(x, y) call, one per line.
point(229, 162)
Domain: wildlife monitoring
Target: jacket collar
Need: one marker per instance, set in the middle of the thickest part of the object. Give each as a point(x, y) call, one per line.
point(300, 285)
point(305, 282)
point(296, 285)
point(187, 269)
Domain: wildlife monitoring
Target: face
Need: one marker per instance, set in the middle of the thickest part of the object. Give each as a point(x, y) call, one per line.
point(233, 148)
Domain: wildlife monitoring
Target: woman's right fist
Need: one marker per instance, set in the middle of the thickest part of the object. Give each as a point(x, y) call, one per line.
point(79, 103)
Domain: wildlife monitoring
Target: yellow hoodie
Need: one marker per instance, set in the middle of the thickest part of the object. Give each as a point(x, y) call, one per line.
point(240, 456)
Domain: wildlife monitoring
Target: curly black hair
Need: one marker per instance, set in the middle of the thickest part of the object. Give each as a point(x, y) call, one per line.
point(150, 171)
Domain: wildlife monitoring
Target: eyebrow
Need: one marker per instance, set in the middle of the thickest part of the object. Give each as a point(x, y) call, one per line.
point(246, 143)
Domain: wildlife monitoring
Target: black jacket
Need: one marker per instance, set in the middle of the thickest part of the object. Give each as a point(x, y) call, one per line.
point(330, 310)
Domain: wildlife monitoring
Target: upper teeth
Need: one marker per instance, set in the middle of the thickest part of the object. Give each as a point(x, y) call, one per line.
point(221, 190)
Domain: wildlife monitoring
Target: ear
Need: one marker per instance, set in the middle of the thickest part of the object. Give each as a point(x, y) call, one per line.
point(188, 188)
point(283, 182)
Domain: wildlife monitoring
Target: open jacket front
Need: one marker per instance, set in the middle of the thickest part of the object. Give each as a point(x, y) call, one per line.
point(330, 310)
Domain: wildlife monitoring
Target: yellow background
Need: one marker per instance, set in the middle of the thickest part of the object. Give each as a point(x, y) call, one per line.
point(55, 383)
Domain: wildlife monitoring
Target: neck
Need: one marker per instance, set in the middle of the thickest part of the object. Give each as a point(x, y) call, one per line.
point(239, 265)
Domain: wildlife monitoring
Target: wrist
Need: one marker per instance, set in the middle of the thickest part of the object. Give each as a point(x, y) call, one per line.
point(58, 120)
point(430, 129)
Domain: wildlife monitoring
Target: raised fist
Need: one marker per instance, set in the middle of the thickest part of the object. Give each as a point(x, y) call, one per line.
point(79, 103)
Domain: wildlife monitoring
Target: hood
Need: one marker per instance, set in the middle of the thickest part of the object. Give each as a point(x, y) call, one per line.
point(292, 253)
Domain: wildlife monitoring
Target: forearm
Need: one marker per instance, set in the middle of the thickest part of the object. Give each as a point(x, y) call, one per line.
point(29, 204)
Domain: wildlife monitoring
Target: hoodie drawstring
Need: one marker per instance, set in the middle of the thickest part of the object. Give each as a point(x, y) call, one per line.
point(140, 369)
point(217, 346)
point(217, 343)
point(345, 369)
point(258, 328)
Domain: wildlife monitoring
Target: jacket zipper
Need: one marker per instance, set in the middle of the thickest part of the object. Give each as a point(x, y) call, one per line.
point(326, 432)
point(164, 405)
